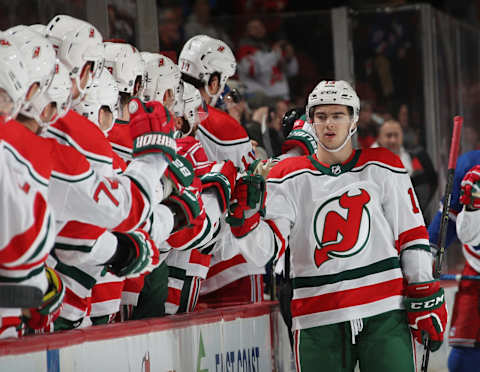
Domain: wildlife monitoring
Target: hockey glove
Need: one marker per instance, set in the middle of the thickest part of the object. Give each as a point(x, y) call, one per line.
point(302, 139)
point(48, 312)
point(151, 128)
point(426, 312)
point(179, 173)
point(470, 188)
point(136, 253)
point(222, 178)
point(247, 205)
point(263, 167)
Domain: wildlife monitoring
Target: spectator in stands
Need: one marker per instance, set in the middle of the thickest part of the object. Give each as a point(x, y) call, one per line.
point(263, 129)
point(367, 125)
point(417, 162)
point(471, 139)
point(265, 67)
point(199, 23)
point(121, 23)
point(410, 134)
point(170, 32)
point(232, 100)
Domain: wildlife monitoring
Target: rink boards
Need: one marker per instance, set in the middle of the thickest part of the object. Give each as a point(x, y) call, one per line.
point(233, 339)
point(246, 338)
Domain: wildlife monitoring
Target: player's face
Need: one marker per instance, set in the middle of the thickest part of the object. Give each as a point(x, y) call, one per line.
point(332, 124)
point(6, 104)
point(85, 74)
point(390, 136)
point(48, 112)
point(169, 99)
point(105, 119)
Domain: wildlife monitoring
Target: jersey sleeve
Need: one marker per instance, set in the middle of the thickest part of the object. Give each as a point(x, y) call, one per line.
point(468, 230)
point(269, 240)
point(120, 203)
point(402, 211)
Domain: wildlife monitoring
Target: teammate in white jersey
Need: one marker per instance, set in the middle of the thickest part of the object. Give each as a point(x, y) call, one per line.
point(464, 335)
point(360, 261)
point(207, 64)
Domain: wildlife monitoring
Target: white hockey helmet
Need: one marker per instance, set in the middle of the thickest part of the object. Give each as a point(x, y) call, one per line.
point(38, 55)
point(76, 42)
point(103, 92)
point(39, 28)
point(59, 92)
point(190, 105)
point(202, 56)
point(125, 64)
point(14, 78)
point(334, 93)
point(161, 75)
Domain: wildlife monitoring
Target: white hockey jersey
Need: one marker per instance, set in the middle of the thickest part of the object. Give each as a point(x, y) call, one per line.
point(468, 231)
point(223, 138)
point(346, 225)
point(27, 224)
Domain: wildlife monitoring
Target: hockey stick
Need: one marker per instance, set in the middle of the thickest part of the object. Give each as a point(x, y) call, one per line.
point(459, 277)
point(452, 161)
point(20, 296)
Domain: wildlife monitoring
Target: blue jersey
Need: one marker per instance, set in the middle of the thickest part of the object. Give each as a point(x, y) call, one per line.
point(464, 163)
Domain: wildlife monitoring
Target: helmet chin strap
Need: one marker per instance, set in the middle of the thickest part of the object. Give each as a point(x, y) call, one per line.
point(215, 96)
point(351, 132)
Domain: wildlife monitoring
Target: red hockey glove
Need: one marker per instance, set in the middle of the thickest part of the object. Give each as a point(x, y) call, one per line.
point(426, 312)
point(222, 177)
point(470, 188)
point(247, 205)
point(49, 311)
point(179, 173)
point(136, 253)
point(185, 204)
point(151, 128)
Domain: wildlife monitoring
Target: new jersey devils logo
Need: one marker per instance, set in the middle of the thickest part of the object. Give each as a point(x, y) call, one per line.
point(341, 226)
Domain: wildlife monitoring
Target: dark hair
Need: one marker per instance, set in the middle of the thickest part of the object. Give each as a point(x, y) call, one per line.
point(196, 82)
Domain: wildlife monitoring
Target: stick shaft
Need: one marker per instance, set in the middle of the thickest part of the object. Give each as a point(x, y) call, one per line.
point(452, 161)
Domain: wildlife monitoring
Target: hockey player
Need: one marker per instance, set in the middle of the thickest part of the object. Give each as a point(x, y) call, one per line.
point(79, 46)
point(189, 248)
point(27, 230)
point(463, 223)
point(188, 269)
point(128, 68)
point(207, 63)
point(162, 77)
point(359, 256)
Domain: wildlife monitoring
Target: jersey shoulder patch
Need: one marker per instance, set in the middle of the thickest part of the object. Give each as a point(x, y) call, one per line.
point(289, 166)
point(380, 156)
point(120, 134)
point(83, 133)
point(26, 147)
point(223, 127)
point(69, 162)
